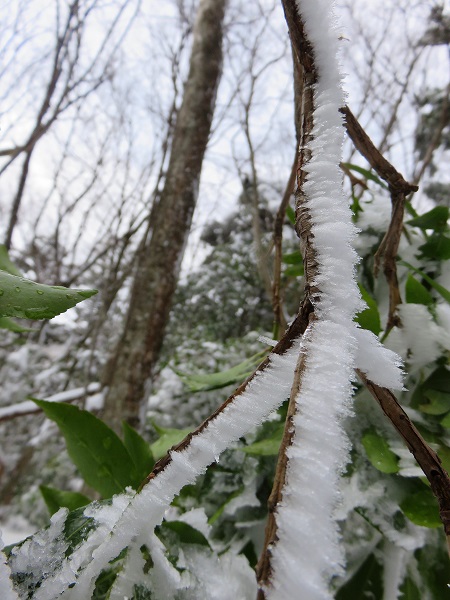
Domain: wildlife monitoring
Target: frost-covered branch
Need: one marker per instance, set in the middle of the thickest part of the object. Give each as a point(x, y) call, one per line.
point(314, 448)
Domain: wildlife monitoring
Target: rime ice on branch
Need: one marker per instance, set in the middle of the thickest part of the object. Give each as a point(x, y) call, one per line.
point(305, 553)
point(131, 519)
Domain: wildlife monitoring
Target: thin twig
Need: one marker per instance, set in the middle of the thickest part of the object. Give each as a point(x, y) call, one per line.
point(279, 323)
point(399, 189)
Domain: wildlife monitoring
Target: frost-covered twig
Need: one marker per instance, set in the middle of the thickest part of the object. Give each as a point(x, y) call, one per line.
point(428, 460)
point(301, 551)
point(314, 448)
point(130, 520)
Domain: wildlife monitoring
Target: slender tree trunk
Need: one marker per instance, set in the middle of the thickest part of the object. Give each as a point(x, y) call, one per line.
point(160, 255)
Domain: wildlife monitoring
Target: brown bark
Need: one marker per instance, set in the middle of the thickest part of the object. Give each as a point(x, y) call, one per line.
point(160, 255)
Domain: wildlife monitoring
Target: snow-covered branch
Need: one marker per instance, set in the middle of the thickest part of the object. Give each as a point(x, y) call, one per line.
point(314, 449)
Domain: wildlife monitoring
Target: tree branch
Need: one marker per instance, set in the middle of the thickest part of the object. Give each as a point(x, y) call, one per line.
point(279, 323)
point(399, 189)
point(428, 460)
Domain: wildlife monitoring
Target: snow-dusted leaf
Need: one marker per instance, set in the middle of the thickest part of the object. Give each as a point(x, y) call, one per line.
point(422, 509)
point(55, 499)
point(25, 299)
point(138, 449)
point(416, 293)
point(437, 247)
point(96, 450)
point(379, 453)
point(435, 219)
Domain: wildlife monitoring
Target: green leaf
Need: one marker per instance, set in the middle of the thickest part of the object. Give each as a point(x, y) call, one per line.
point(367, 582)
point(367, 174)
point(6, 323)
point(422, 509)
point(435, 579)
point(435, 219)
point(444, 455)
point(445, 422)
point(169, 438)
point(379, 453)
point(139, 450)
point(221, 508)
point(55, 499)
point(6, 264)
point(186, 533)
point(214, 381)
point(439, 380)
point(26, 299)
point(292, 258)
point(369, 318)
point(97, 452)
point(78, 526)
point(290, 213)
point(416, 293)
point(439, 288)
point(294, 271)
point(439, 402)
point(268, 447)
point(409, 590)
point(437, 247)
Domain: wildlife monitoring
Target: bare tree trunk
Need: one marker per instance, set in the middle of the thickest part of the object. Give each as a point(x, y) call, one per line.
point(160, 255)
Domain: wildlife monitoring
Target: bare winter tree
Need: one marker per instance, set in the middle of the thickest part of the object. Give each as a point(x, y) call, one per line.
point(77, 68)
point(159, 257)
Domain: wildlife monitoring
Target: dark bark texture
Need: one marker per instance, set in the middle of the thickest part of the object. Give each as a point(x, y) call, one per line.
point(159, 258)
